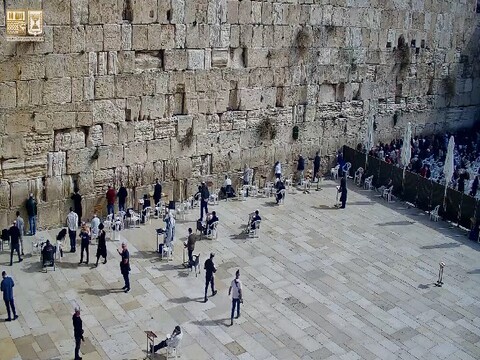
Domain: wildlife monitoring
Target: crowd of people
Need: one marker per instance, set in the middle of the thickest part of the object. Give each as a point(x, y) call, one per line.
point(428, 155)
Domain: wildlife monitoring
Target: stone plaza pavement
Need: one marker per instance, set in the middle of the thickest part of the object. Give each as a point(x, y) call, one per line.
point(319, 283)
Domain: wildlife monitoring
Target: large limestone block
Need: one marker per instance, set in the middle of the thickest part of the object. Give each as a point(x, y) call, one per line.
point(180, 150)
point(256, 57)
point(38, 144)
point(112, 37)
point(49, 215)
point(57, 91)
point(8, 95)
point(108, 111)
point(165, 128)
point(12, 146)
point(144, 130)
point(94, 38)
point(184, 122)
point(144, 11)
point(104, 87)
point(175, 59)
point(95, 135)
point(198, 36)
point(152, 107)
point(161, 36)
point(56, 163)
point(13, 169)
point(4, 194)
point(132, 85)
point(256, 98)
point(103, 11)
point(139, 37)
point(158, 150)
point(32, 67)
point(19, 122)
point(135, 153)
point(79, 12)
point(220, 58)
point(195, 59)
point(184, 168)
point(19, 192)
point(56, 12)
point(69, 140)
point(62, 39)
point(80, 160)
point(110, 156)
point(54, 188)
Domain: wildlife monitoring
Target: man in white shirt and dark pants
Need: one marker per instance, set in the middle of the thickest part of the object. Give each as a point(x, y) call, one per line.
point(72, 224)
point(236, 291)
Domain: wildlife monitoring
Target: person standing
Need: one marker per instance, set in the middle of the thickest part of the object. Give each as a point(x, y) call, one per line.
point(94, 224)
point(84, 243)
point(6, 286)
point(32, 214)
point(204, 196)
point(125, 266)
point(343, 190)
point(77, 205)
point(14, 234)
point(474, 189)
point(278, 170)
point(236, 291)
point(300, 168)
point(110, 200)
point(122, 197)
point(190, 245)
point(72, 224)
point(210, 270)
point(157, 192)
point(21, 227)
point(316, 166)
point(102, 244)
point(77, 332)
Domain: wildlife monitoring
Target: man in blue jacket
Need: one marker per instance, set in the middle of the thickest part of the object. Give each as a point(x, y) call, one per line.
point(7, 289)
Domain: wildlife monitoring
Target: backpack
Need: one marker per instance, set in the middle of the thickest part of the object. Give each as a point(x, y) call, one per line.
point(5, 235)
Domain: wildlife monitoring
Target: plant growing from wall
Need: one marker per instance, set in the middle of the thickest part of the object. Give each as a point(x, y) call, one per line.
point(402, 54)
point(266, 129)
point(303, 41)
point(449, 86)
point(187, 140)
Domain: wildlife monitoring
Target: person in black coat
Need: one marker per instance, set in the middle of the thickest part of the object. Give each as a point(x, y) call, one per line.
point(316, 165)
point(77, 332)
point(473, 190)
point(157, 192)
point(125, 266)
point(102, 244)
point(300, 168)
point(204, 196)
point(77, 205)
point(343, 190)
point(14, 234)
point(122, 197)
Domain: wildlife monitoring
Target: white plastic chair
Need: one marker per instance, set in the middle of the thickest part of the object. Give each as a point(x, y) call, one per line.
point(159, 208)
point(213, 199)
point(213, 233)
point(434, 214)
point(254, 229)
point(134, 217)
point(358, 176)
point(148, 214)
point(167, 252)
point(346, 169)
point(368, 183)
point(387, 194)
point(172, 351)
point(334, 172)
point(253, 190)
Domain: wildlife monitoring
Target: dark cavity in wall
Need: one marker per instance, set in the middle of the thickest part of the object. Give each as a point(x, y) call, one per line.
point(127, 10)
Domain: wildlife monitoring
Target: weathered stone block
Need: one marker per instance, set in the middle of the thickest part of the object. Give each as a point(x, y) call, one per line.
point(161, 36)
point(158, 150)
point(104, 87)
point(79, 12)
point(198, 36)
point(256, 57)
point(135, 153)
point(95, 136)
point(112, 37)
point(80, 160)
point(220, 58)
point(144, 11)
point(143, 130)
point(108, 111)
point(165, 128)
point(175, 59)
point(110, 156)
point(152, 107)
point(54, 121)
point(62, 37)
point(57, 91)
point(56, 163)
point(196, 59)
point(67, 140)
point(103, 11)
point(8, 95)
point(93, 38)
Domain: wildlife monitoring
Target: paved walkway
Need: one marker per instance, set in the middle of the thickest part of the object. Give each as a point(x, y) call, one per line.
point(320, 283)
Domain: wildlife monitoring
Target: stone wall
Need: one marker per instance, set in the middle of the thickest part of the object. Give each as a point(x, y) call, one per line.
point(128, 90)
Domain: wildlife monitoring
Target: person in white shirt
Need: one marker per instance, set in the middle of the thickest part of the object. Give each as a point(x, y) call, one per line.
point(72, 224)
point(94, 226)
point(171, 341)
point(227, 187)
point(236, 291)
point(278, 170)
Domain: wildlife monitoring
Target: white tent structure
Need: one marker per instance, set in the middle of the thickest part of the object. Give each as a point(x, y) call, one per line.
point(449, 166)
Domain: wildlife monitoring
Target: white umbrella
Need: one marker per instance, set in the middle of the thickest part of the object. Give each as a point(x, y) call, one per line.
point(407, 147)
point(448, 168)
point(369, 136)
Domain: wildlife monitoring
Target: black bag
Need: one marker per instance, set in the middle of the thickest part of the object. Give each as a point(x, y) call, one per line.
point(5, 235)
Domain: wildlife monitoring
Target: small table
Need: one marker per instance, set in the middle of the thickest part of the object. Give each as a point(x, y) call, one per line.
point(151, 336)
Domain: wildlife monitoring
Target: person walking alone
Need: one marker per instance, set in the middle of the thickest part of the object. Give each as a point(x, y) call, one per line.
point(125, 266)
point(32, 214)
point(102, 245)
point(204, 196)
point(14, 234)
point(77, 332)
point(236, 291)
point(72, 225)
point(6, 286)
point(210, 270)
point(21, 227)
